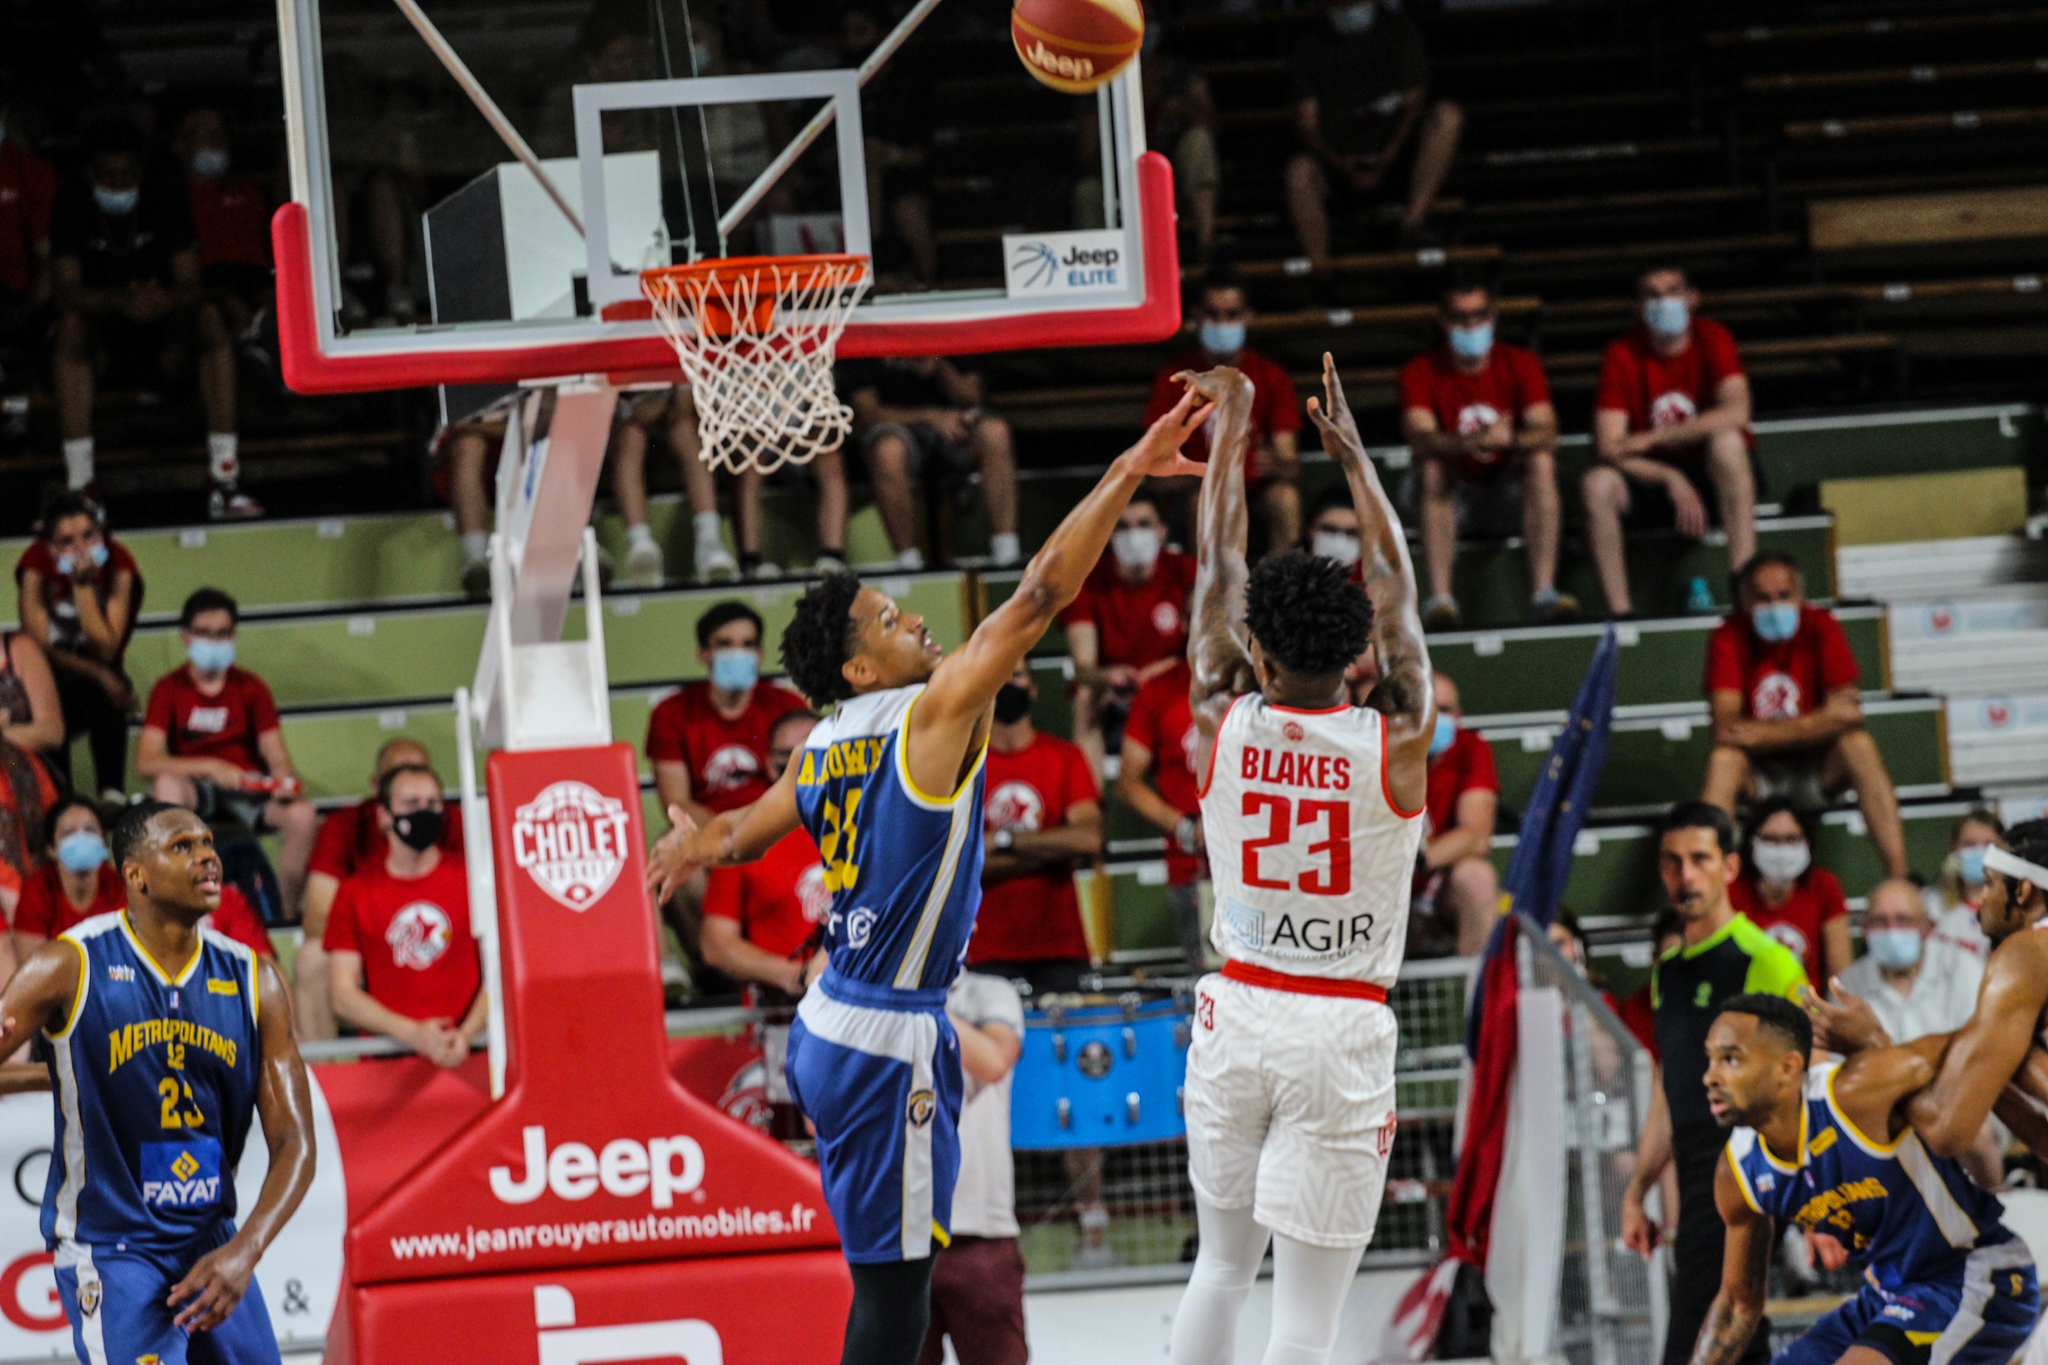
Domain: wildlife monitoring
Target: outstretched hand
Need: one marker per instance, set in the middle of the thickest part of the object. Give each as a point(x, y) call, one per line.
point(668, 863)
point(1332, 415)
point(1845, 1024)
point(1157, 453)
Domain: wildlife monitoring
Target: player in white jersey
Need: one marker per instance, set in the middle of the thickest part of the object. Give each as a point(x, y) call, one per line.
point(1312, 809)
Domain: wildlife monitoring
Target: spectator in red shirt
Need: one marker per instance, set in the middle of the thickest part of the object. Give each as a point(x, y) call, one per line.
point(28, 191)
point(1157, 779)
point(212, 741)
point(350, 839)
point(1129, 624)
point(1043, 814)
point(232, 215)
point(1476, 413)
point(1670, 434)
point(1787, 715)
point(1456, 895)
point(401, 958)
point(1786, 895)
point(759, 916)
point(1272, 457)
point(79, 592)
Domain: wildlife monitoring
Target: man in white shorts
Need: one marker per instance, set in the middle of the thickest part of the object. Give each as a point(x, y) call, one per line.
point(1313, 808)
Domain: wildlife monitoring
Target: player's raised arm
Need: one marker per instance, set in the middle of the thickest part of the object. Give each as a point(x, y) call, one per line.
point(1404, 692)
point(39, 996)
point(1218, 660)
point(737, 836)
point(1745, 1267)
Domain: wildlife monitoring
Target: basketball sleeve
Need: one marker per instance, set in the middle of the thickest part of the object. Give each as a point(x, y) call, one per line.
point(335, 843)
point(1837, 660)
point(725, 893)
point(1725, 670)
point(1618, 380)
point(341, 935)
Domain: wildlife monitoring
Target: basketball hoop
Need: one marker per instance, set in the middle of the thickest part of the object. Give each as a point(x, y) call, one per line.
point(755, 336)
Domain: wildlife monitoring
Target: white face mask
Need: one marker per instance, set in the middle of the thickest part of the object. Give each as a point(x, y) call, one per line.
point(1341, 546)
point(1781, 864)
point(1135, 547)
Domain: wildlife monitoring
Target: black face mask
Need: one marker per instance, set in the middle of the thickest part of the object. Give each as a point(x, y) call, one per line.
point(1013, 703)
point(418, 830)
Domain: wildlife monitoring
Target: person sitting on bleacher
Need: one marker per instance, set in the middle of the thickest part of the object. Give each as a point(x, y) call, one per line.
point(1156, 778)
point(1476, 413)
point(1273, 465)
point(670, 416)
point(231, 214)
point(1787, 714)
point(1786, 894)
point(79, 594)
point(759, 916)
point(28, 190)
point(1952, 898)
point(1456, 894)
point(1671, 439)
point(127, 284)
point(1129, 624)
point(1333, 530)
point(351, 838)
point(401, 959)
point(1359, 94)
point(212, 741)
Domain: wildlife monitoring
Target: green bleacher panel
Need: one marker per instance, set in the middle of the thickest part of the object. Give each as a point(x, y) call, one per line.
point(1143, 919)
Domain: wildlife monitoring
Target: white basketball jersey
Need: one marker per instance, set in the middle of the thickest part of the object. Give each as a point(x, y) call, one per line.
point(1310, 858)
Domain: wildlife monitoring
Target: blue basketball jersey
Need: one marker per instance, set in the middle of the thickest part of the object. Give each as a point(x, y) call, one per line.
point(1907, 1217)
point(155, 1086)
point(903, 867)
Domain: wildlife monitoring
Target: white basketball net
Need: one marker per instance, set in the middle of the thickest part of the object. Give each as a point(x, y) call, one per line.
point(761, 373)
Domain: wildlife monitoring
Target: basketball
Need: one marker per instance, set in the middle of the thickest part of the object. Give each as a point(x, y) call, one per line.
point(1076, 45)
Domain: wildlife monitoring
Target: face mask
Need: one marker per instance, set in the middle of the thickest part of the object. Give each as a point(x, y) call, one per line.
point(1666, 317)
point(1446, 731)
point(210, 163)
point(1135, 547)
point(1780, 864)
point(1013, 703)
point(1222, 338)
point(1335, 545)
point(81, 851)
point(419, 830)
point(1352, 19)
point(1897, 949)
point(1775, 621)
point(115, 203)
point(211, 656)
point(1970, 864)
point(1472, 343)
point(98, 556)
point(734, 670)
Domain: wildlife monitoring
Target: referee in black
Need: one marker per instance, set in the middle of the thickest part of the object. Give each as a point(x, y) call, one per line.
point(1723, 955)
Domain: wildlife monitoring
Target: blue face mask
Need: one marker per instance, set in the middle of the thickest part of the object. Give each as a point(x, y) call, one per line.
point(1446, 731)
point(1970, 863)
point(1897, 949)
point(734, 670)
point(1667, 317)
point(211, 656)
point(98, 556)
point(115, 203)
point(1472, 343)
point(81, 851)
point(1222, 338)
point(1776, 622)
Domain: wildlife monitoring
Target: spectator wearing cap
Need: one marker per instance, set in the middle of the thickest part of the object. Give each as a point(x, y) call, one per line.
point(79, 592)
point(1129, 623)
point(1222, 316)
point(1671, 439)
point(28, 193)
point(212, 740)
point(1456, 894)
point(1788, 895)
point(1156, 778)
point(401, 959)
point(350, 839)
point(1787, 715)
point(1476, 413)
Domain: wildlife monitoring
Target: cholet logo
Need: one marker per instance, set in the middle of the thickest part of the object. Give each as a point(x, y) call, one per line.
point(572, 840)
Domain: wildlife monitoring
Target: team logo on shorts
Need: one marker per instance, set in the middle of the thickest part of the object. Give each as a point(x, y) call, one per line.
point(921, 1107)
point(89, 1297)
point(572, 839)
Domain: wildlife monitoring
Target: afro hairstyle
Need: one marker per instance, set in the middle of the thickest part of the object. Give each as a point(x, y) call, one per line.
point(1307, 614)
point(820, 639)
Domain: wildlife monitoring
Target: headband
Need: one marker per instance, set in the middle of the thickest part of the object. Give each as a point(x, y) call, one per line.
point(2012, 865)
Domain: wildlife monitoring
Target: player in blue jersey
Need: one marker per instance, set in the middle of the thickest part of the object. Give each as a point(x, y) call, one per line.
point(165, 1040)
point(1828, 1148)
point(890, 787)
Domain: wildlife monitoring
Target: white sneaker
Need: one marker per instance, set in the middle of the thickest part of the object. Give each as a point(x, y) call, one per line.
point(225, 504)
point(715, 564)
point(825, 564)
point(765, 572)
point(643, 565)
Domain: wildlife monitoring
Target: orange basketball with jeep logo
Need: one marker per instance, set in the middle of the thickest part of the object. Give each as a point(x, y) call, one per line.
point(1076, 45)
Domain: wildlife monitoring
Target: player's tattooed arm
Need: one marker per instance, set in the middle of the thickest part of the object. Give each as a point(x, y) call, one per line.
point(1405, 694)
point(1745, 1265)
point(1218, 658)
point(284, 1101)
point(40, 995)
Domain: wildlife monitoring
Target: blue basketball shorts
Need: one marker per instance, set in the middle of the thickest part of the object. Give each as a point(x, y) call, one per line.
point(877, 1072)
point(114, 1298)
point(1982, 1315)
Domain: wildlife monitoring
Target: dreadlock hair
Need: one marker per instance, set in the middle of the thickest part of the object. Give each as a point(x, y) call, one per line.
point(1307, 614)
point(820, 639)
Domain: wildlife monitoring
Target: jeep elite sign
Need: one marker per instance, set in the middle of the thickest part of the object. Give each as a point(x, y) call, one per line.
point(572, 840)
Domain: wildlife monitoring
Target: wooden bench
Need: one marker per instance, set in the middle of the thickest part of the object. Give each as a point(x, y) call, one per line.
point(1929, 74)
point(1928, 219)
point(1683, 251)
point(1917, 125)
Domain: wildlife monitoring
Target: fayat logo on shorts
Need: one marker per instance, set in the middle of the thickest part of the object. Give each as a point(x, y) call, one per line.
point(572, 840)
point(181, 1175)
